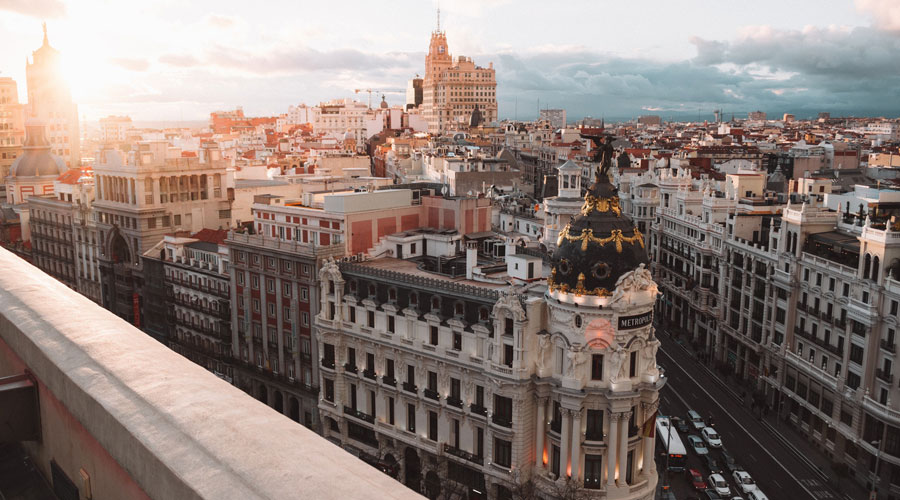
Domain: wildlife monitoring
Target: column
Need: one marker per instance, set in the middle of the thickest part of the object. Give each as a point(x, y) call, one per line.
point(623, 446)
point(649, 464)
point(540, 432)
point(612, 438)
point(576, 445)
point(564, 438)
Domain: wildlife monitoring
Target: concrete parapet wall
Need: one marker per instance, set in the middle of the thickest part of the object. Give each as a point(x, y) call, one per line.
point(143, 421)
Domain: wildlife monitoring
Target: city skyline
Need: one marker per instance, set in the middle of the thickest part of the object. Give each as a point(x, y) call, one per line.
point(609, 64)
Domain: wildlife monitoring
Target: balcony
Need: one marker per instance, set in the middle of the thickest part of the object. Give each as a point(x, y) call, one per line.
point(144, 454)
point(452, 401)
point(465, 455)
point(432, 394)
point(365, 417)
point(889, 347)
point(370, 374)
point(350, 368)
point(502, 420)
point(413, 388)
point(328, 363)
point(885, 376)
point(391, 381)
point(478, 409)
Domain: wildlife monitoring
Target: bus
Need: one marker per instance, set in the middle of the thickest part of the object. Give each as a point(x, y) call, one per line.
point(677, 453)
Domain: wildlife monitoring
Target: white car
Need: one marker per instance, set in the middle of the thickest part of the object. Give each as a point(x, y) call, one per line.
point(711, 437)
point(718, 484)
point(695, 420)
point(744, 482)
point(697, 445)
point(757, 495)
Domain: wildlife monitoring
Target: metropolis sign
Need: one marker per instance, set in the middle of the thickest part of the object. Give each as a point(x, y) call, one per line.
point(636, 321)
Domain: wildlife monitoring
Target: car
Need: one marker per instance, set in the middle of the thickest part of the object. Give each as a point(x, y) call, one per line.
point(757, 495)
point(680, 425)
point(698, 445)
point(728, 462)
point(713, 465)
point(696, 479)
point(711, 495)
point(718, 484)
point(695, 420)
point(744, 482)
point(711, 437)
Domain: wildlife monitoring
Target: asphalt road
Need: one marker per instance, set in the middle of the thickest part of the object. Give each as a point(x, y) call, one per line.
point(778, 470)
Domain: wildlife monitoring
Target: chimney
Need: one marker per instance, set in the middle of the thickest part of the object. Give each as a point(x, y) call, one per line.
point(471, 258)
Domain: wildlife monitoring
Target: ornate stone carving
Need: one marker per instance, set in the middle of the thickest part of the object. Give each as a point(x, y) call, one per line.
point(648, 354)
point(545, 347)
point(617, 364)
point(632, 282)
point(511, 301)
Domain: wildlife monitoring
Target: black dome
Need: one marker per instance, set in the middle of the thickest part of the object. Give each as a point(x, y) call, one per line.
point(597, 246)
point(36, 159)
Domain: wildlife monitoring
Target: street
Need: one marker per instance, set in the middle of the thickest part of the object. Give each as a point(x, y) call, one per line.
point(778, 470)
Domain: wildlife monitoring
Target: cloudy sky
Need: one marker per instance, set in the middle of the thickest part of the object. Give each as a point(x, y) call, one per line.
point(172, 59)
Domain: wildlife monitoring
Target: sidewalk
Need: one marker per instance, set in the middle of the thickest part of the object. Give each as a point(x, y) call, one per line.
point(781, 430)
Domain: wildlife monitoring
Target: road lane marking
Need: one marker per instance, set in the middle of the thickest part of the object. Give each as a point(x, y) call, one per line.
point(749, 434)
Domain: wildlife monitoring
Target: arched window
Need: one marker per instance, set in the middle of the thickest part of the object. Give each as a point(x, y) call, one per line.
point(435, 303)
point(875, 268)
point(867, 266)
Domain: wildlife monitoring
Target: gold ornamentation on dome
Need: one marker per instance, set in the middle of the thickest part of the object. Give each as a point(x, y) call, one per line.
point(579, 287)
point(587, 235)
point(579, 290)
point(592, 203)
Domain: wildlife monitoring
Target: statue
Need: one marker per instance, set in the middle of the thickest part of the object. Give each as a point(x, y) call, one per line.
point(617, 364)
point(648, 353)
point(633, 281)
point(576, 360)
point(545, 346)
point(604, 153)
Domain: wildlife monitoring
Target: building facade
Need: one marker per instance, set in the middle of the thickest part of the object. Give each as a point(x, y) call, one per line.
point(454, 88)
point(50, 101)
point(485, 388)
point(12, 129)
point(140, 198)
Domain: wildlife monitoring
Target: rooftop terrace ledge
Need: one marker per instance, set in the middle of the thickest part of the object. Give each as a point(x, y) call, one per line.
point(142, 421)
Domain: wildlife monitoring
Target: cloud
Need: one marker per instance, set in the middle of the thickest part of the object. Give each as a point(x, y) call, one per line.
point(885, 13)
point(220, 21)
point(181, 60)
point(301, 59)
point(45, 9)
point(131, 64)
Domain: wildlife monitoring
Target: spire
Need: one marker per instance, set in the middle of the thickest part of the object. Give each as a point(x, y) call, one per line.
point(46, 41)
point(439, 19)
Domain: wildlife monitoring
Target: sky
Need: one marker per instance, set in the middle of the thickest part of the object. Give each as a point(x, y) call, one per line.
point(176, 60)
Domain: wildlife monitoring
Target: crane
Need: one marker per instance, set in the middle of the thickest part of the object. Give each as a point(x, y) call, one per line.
point(369, 91)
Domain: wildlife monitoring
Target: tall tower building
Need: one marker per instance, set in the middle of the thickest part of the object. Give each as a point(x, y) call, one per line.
point(12, 129)
point(453, 89)
point(50, 101)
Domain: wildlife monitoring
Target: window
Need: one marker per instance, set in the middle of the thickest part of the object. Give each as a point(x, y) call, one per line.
point(554, 460)
point(304, 318)
point(286, 289)
point(856, 354)
point(455, 392)
point(304, 294)
point(632, 368)
point(503, 411)
point(457, 341)
point(432, 381)
point(593, 471)
point(391, 410)
point(479, 442)
point(371, 319)
point(270, 285)
point(597, 367)
point(254, 282)
point(432, 425)
point(479, 396)
point(411, 417)
point(508, 327)
point(389, 368)
point(390, 324)
point(271, 309)
point(852, 380)
point(433, 340)
point(352, 314)
point(502, 452)
point(594, 431)
point(329, 390)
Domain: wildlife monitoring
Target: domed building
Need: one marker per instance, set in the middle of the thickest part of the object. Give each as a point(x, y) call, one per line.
point(35, 170)
point(598, 358)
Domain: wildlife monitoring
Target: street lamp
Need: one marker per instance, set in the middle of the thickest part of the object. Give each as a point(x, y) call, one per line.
point(877, 444)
